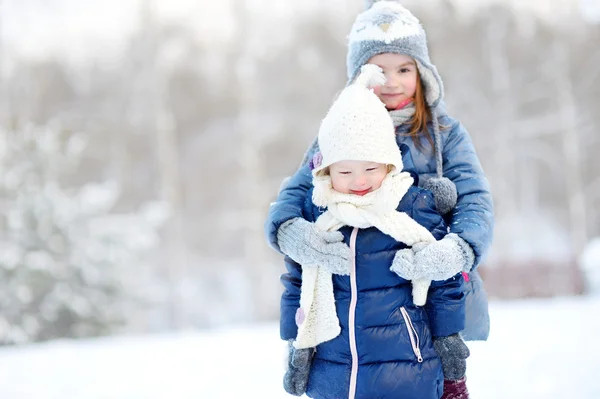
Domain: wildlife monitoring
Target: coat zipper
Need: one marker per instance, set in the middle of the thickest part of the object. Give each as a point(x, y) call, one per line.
point(352, 314)
point(412, 333)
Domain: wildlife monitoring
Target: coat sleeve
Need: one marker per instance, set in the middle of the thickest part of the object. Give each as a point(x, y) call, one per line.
point(314, 147)
point(290, 299)
point(445, 304)
point(473, 217)
point(292, 279)
point(289, 204)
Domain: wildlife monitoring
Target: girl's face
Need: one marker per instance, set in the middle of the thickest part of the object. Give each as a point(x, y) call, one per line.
point(401, 79)
point(357, 177)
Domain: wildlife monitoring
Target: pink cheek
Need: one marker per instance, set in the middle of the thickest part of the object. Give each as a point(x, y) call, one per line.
point(337, 186)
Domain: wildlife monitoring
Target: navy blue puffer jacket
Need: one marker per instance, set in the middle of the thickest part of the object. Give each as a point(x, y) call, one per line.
point(385, 349)
point(472, 218)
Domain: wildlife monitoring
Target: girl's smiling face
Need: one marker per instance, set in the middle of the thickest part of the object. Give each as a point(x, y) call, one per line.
point(357, 177)
point(401, 79)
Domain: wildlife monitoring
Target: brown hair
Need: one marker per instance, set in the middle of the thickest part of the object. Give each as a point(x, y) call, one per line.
point(421, 117)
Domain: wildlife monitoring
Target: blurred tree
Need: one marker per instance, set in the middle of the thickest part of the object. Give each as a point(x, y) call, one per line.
point(69, 267)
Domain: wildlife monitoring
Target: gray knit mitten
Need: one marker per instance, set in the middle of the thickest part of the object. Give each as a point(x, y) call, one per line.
point(295, 379)
point(453, 353)
point(309, 246)
point(439, 260)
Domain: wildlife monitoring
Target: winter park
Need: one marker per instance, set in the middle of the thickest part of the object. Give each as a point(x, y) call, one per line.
point(149, 152)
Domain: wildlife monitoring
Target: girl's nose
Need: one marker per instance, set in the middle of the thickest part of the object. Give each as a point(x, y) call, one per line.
point(390, 80)
point(360, 180)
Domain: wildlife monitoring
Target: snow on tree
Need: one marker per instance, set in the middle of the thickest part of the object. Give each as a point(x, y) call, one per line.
point(69, 266)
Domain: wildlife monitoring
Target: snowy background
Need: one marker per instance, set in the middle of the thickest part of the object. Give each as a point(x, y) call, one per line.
point(142, 140)
point(537, 349)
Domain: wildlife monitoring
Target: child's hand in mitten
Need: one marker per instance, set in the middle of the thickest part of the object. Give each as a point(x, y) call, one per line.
point(306, 244)
point(295, 379)
point(453, 352)
point(438, 260)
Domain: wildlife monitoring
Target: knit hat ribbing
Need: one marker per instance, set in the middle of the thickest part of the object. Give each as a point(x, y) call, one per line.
point(358, 126)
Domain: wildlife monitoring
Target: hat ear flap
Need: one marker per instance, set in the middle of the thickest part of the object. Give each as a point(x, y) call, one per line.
point(321, 191)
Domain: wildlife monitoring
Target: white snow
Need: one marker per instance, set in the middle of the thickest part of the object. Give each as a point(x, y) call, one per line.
point(537, 349)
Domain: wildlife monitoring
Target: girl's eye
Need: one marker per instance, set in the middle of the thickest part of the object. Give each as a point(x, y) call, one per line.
point(371, 169)
point(344, 173)
point(404, 70)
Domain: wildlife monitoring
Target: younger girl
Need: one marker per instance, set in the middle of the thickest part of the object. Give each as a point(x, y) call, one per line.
point(353, 329)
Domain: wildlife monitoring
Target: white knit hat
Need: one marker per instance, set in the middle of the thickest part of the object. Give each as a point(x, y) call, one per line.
point(358, 127)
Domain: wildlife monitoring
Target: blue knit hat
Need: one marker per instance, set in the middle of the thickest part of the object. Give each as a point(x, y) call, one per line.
point(388, 27)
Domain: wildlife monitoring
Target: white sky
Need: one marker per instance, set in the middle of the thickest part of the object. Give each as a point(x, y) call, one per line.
point(95, 29)
point(84, 29)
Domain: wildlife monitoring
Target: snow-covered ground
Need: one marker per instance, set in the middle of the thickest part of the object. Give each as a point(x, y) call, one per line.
point(537, 349)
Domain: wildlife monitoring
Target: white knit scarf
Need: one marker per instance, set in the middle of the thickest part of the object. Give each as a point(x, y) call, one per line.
point(317, 318)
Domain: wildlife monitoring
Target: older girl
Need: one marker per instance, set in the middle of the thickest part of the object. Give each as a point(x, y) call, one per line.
point(388, 35)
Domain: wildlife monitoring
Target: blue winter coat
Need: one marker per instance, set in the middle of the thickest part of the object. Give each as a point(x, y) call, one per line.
point(385, 319)
point(472, 218)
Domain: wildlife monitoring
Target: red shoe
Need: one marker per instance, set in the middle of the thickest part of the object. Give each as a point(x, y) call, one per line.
point(456, 389)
